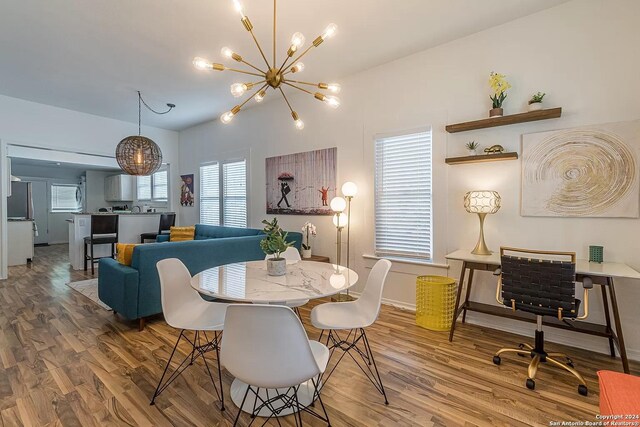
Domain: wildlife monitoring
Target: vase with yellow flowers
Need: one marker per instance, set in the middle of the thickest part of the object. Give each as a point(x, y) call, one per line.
point(499, 85)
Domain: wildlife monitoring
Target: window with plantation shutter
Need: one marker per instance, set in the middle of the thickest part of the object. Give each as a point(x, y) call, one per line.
point(210, 194)
point(403, 195)
point(160, 185)
point(65, 198)
point(144, 187)
point(234, 194)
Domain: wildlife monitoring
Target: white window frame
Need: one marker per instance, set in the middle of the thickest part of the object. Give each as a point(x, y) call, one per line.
point(221, 187)
point(381, 250)
point(62, 210)
point(151, 187)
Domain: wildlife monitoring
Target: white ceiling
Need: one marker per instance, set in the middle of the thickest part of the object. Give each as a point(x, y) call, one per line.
point(92, 56)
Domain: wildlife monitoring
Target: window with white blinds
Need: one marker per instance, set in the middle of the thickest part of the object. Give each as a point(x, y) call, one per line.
point(403, 195)
point(223, 194)
point(234, 194)
point(153, 187)
point(65, 198)
point(144, 187)
point(210, 194)
point(160, 190)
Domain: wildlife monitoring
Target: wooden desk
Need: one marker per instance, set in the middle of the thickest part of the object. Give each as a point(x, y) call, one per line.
point(601, 274)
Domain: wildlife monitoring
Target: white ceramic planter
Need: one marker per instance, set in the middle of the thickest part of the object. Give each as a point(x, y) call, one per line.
point(535, 106)
point(306, 253)
point(473, 152)
point(277, 267)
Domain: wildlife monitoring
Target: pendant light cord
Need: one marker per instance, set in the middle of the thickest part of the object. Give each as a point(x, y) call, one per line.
point(142, 101)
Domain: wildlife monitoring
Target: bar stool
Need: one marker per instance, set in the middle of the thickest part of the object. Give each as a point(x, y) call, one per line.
point(104, 231)
point(167, 220)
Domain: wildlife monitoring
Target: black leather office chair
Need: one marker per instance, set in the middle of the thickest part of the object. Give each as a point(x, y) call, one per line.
point(544, 287)
point(167, 220)
point(104, 231)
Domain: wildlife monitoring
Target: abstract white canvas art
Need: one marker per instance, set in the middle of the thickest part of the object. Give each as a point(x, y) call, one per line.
point(589, 171)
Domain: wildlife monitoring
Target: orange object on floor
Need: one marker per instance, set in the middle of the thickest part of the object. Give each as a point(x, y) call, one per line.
point(619, 393)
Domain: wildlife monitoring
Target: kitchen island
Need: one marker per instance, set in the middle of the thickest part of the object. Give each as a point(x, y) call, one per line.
point(130, 226)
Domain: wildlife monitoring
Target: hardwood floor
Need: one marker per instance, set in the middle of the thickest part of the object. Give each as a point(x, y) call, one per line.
point(66, 361)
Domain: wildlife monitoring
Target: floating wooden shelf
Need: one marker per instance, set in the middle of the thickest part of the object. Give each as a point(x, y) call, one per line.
point(481, 158)
point(531, 116)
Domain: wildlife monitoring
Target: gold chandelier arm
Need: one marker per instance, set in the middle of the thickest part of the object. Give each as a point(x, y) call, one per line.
point(259, 48)
point(253, 66)
point(285, 98)
point(235, 70)
point(302, 54)
point(252, 95)
point(299, 88)
point(305, 83)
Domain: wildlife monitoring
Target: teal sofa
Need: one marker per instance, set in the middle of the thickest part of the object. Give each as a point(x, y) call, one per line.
point(134, 292)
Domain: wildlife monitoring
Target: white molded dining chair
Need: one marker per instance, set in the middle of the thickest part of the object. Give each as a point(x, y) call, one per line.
point(291, 254)
point(354, 317)
point(184, 309)
point(266, 347)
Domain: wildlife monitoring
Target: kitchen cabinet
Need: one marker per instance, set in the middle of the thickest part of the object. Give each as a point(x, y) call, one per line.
point(118, 188)
point(20, 237)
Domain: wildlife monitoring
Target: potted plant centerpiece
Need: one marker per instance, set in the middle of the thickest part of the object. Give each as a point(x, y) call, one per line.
point(275, 243)
point(499, 85)
point(535, 103)
point(309, 230)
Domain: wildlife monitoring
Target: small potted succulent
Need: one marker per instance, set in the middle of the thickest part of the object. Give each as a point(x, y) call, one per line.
point(472, 148)
point(499, 85)
point(535, 103)
point(275, 243)
point(308, 230)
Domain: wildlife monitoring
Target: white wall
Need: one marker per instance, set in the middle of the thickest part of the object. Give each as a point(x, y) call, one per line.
point(28, 123)
point(582, 54)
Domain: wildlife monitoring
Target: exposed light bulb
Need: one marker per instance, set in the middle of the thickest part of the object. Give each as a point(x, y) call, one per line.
point(226, 52)
point(138, 157)
point(227, 117)
point(238, 7)
point(334, 88)
point(238, 89)
point(299, 124)
point(260, 95)
point(338, 204)
point(332, 101)
point(299, 67)
point(297, 40)
point(329, 32)
point(202, 63)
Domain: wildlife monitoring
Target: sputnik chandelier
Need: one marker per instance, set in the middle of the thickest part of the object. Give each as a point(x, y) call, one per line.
point(275, 76)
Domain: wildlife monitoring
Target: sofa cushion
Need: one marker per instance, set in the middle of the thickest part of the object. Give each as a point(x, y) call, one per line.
point(619, 393)
point(124, 252)
point(180, 234)
point(217, 232)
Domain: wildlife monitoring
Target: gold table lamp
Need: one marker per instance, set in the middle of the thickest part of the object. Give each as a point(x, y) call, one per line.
point(482, 202)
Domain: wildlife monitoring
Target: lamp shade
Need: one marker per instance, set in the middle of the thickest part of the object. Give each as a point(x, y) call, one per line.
point(138, 155)
point(482, 201)
point(338, 204)
point(340, 220)
point(337, 280)
point(349, 189)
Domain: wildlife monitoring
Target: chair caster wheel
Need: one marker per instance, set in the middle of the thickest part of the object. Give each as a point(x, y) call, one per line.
point(497, 360)
point(582, 389)
point(531, 384)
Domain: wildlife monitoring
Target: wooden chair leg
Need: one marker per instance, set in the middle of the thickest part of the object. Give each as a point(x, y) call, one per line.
point(141, 324)
point(92, 263)
point(85, 256)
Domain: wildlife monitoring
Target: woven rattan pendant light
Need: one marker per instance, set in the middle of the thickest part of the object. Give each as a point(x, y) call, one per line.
point(137, 154)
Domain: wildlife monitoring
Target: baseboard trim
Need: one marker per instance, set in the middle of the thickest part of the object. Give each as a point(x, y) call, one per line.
point(525, 329)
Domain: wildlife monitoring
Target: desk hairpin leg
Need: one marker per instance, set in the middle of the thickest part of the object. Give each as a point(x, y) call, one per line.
point(468, 294)
point(607, 318)
point(616, 319)
point(456, 313)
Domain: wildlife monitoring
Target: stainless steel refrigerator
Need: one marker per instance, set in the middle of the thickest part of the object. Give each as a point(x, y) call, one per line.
point(20, 203)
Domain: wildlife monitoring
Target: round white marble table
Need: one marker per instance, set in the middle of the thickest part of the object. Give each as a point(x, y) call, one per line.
point(249, 282)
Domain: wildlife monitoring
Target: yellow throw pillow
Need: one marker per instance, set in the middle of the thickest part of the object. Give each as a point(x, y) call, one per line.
point(125, 253)
point(180, 234)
